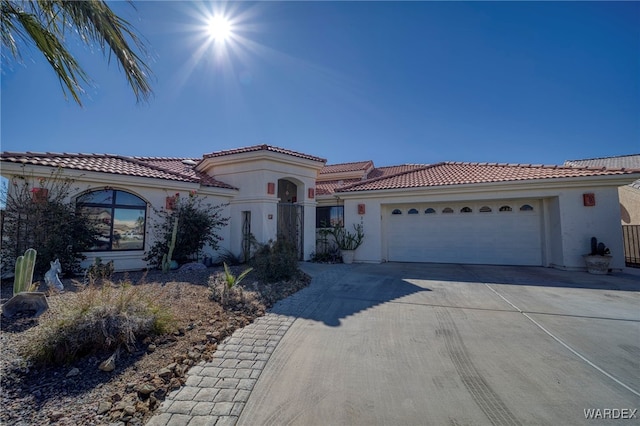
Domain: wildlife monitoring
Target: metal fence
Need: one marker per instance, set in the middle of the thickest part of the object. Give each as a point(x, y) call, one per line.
point(631, 237)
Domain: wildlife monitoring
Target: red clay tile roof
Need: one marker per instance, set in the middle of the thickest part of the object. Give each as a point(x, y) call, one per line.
point(347, 167)
point(150, 167)
point(264, 147)
point(328, 187)
point(453, 173)
point(393, 170)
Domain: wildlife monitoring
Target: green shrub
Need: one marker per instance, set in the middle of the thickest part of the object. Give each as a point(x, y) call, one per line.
point(100, 271)
point(40, 215)
point(275, 261)
point(225, 288)
point(99, 319)
point(198, 224)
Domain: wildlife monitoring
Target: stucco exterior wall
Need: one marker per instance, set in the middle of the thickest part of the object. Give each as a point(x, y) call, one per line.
point(150, 191)
point(579, 223)
point(252, 177)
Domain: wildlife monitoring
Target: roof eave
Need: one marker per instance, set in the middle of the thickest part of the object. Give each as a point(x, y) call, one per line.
point(617, 180)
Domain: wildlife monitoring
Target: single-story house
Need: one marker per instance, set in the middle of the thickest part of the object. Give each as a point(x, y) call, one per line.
point(451, 212)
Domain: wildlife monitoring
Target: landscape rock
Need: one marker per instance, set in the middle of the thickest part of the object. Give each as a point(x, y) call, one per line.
point(103, 407)
point(146, 389)
point(192, 267)
point(73, 372)
point(108, 365)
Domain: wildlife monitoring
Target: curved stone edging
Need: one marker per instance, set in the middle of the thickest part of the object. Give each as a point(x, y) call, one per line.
point(216, 391)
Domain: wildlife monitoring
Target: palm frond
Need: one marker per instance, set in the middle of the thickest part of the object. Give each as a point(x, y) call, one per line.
point(45, 23)
point(63, 63)
point(95, 21)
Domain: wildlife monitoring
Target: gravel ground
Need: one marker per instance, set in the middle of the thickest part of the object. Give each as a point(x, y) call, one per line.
point(82, 394)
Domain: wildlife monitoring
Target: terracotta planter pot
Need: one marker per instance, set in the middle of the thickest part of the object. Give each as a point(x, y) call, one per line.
point(348, 256)
point(597, 264)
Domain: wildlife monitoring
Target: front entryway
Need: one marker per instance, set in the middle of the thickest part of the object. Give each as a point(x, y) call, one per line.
point(290, 215)
point(291, 225)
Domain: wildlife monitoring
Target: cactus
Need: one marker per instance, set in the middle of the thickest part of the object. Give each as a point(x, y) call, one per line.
point(166, 258)
point(599, 249)
point(24, 271)
point(602, 249)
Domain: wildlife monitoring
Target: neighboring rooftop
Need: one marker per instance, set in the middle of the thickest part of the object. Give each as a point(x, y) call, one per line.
point(620, 161)
point(631, 161)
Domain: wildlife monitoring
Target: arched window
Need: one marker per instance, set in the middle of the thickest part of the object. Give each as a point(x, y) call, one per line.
point(526, 208)
point(412, 211)
point(396, 211)
point(466, 210)
point(119, 216)
point(447, 210)
point(505, 209)
point(429, 211)
point(485, 209)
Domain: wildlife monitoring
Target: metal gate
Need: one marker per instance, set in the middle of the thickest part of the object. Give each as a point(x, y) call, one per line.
point(246, 235)
point(631, 236)
point(291, 225)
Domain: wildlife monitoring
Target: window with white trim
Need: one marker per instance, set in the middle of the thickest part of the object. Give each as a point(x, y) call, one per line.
point(119, 216)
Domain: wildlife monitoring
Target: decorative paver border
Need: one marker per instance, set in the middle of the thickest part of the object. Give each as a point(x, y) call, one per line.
point(216, 391)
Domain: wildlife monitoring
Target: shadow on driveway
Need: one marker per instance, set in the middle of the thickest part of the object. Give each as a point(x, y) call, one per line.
point(346, 297)
point(511, 275)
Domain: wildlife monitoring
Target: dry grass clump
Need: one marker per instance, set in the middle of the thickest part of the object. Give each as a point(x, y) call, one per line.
point(97, 319)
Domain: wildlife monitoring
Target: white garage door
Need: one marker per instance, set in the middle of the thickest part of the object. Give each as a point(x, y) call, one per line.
point(496, 233)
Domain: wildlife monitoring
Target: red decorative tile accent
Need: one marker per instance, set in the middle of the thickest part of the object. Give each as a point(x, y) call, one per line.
point(589, 200)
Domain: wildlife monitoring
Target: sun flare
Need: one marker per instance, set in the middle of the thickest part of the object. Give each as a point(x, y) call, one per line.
point(219, 28)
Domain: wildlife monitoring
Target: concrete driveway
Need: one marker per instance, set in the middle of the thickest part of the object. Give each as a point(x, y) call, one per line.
point(430, 344)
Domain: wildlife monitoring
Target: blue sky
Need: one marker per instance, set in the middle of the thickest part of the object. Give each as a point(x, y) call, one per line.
point(394, 82)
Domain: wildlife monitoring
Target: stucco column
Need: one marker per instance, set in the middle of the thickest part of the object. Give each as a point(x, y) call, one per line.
point(309, 207)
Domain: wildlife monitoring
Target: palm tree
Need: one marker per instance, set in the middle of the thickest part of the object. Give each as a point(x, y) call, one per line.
point(44, 23)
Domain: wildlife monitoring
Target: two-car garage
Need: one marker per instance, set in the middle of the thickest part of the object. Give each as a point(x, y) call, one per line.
point(504, 232)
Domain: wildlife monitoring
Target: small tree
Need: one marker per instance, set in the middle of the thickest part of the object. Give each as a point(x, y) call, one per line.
point(40, 215)
point(198, 223)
